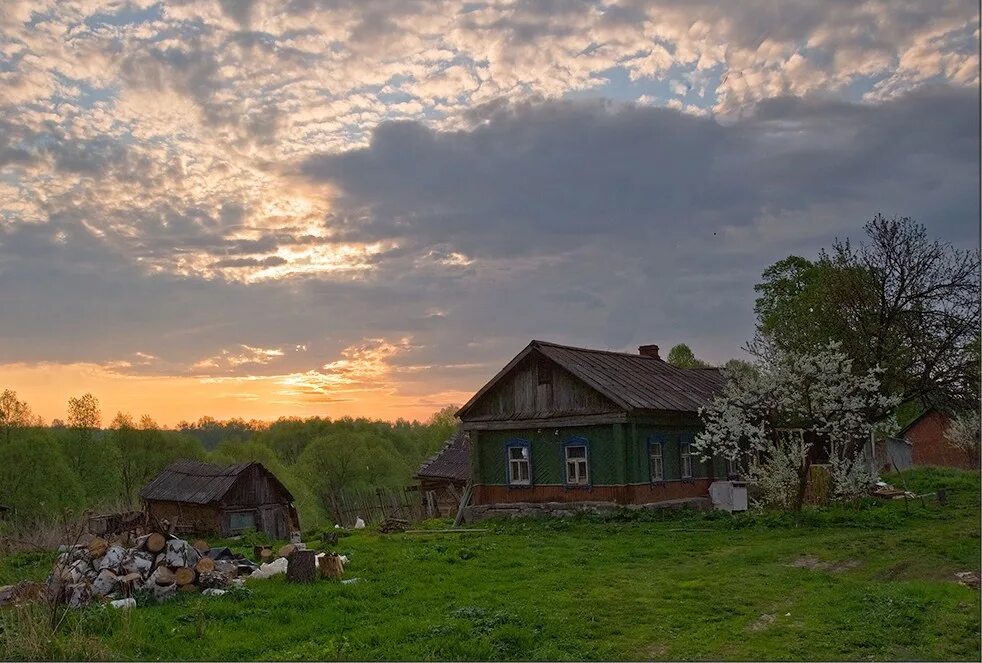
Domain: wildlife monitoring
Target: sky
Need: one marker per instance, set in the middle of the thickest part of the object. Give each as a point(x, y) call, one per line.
point(367, 207)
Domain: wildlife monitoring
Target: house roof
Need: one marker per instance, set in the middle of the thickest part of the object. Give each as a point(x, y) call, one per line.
point(632, 381)
point(452, 461)
point(198, 483)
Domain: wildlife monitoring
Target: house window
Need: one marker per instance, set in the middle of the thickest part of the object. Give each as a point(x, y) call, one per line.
point(242, 520)
point(655, 463)
point(686, 454)
point(577, 472)
point(519, 467)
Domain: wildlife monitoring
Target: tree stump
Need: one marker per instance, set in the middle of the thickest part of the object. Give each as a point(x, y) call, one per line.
point(287, 550)
point(331, 567)
point(302, 566)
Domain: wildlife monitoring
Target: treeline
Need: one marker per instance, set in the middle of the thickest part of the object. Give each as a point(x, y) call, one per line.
point(48, 473)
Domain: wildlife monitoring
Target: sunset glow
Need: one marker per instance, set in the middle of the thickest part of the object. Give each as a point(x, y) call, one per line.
point(261, 209)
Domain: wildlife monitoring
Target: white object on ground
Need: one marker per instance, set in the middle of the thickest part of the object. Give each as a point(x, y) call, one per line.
point(359, 523)
point(237, 582)
point(350, 581)
point(270, 569)
point(213, 591)
point(123, 604)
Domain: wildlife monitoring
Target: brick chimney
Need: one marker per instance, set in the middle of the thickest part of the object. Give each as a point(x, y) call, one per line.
point(649, 351)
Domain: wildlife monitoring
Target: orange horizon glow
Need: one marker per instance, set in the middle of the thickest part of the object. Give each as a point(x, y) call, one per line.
point(169, 400)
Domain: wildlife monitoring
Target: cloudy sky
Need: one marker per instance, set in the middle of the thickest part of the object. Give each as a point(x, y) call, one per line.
point(333, 207)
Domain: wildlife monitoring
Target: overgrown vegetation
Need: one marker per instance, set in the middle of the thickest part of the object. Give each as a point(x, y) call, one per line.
point(869, 580)
point(52, 473)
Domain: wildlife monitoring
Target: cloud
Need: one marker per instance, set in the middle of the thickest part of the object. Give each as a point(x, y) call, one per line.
point(181, 180)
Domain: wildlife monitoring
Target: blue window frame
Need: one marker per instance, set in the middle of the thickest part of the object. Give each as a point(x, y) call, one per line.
point(576, 461)
point(656, 458)
point(518, 463)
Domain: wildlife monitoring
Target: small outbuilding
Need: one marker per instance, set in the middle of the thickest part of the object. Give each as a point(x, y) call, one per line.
point(201, 498)
point(446, 473)
point(927, 436)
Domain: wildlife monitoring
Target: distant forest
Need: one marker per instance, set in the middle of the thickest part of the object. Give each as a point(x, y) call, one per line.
point(51, 473)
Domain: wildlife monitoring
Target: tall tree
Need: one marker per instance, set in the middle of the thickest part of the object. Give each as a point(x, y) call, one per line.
point(14, 414)
point(897, 300)
point(682, 356)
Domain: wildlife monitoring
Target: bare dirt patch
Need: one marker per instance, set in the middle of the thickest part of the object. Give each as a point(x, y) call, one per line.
point(763, 622)
point(816, 564)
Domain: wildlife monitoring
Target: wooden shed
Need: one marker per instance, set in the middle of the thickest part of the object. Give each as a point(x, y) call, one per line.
point(446, 473)
point(201, 498)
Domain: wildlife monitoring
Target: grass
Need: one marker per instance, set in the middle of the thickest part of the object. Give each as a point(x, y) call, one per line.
point(869, 581)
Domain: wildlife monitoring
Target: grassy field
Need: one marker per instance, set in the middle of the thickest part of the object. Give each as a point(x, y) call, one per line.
point(869, 582)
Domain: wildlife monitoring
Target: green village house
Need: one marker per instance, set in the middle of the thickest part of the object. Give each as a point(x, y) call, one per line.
point(565, 424)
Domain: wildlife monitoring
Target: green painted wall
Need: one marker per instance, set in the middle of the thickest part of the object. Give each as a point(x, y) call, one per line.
point(618, 452)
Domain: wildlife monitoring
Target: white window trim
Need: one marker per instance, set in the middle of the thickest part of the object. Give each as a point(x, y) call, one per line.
point(685, 451)
point(514, 467)
point(584, 463)
point(660, 477)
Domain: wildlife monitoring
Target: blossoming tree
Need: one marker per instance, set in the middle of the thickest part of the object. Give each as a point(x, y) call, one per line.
point(769, 420)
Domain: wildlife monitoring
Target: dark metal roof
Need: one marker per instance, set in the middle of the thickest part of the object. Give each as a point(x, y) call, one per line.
point(452, 462)
point(194, 482)
point(632, 381)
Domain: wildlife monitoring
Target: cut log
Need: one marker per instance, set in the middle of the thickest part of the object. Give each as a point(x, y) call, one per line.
point(98, 547)
point(184, 575)
point(181, 553)
point(212, 579)
point(287, 550)
point(331, 567)
point(113, 559)
point(155, 542)
point(227, 568)
point(138, 561)
point(188, 588)
point(302, 566)
point(130, 582)
point(201, 546)
point(164, 576)
point(204, 565)
point(105, 583)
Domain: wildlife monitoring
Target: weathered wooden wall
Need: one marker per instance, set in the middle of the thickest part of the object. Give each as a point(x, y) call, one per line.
point(537, 388)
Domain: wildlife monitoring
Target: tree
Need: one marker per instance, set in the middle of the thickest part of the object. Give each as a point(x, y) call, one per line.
point(682, 356)
point(36, 481)
point(769, 421)
point(14, 414)
point(964, 434)
point(898, 300)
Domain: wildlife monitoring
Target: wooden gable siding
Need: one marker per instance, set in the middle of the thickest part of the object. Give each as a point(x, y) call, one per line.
point(252, 488)
point(538, 388)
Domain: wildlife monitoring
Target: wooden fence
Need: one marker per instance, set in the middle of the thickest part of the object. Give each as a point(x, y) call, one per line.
point(374, 505)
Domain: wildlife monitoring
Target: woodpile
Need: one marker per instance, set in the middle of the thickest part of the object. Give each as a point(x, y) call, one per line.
point(392, 525)
point(159, 565)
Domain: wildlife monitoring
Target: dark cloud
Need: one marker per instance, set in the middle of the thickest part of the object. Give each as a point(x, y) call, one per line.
point(544, 178)
point(585, 223)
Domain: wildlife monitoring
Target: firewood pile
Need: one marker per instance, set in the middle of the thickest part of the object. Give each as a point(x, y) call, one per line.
point(392, 525)
point(159, 565)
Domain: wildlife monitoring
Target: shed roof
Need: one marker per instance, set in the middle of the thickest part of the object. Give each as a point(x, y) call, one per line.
point(198, 483)
point(633, 381)
point(452, 461)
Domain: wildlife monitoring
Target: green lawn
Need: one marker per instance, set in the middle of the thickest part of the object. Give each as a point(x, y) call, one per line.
point(692, 586)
